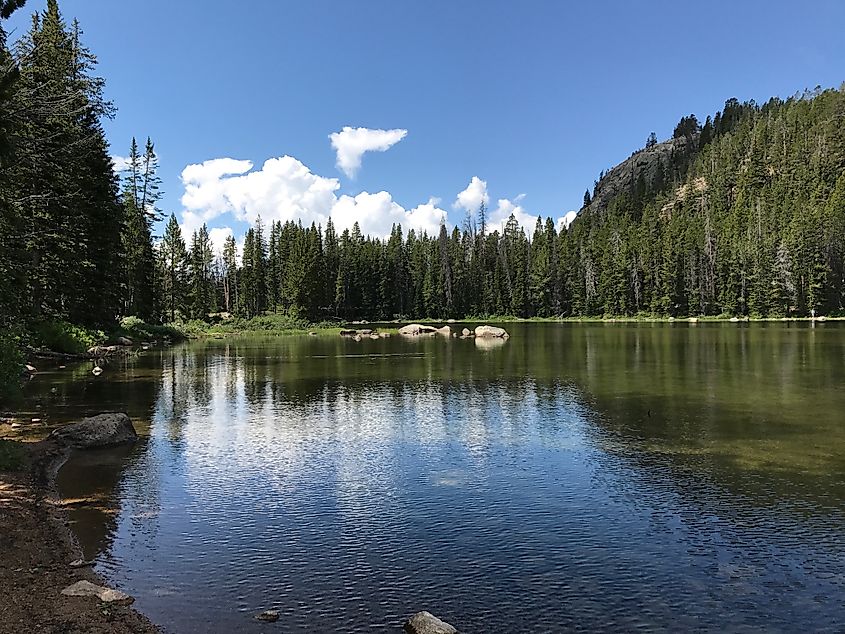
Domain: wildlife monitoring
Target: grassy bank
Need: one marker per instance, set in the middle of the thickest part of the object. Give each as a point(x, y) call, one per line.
point(270, 324)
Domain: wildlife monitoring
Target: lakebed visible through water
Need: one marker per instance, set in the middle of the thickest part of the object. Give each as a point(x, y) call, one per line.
point(576, 476)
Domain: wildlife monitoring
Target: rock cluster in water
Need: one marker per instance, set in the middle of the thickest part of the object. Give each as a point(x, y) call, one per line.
point(419, 330)
point(363, 333)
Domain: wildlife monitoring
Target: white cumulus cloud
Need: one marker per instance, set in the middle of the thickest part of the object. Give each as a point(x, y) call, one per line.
point(564, 221)
point(218, 236)
point(471, 198)
point(285, 189)
point(507, 207)
point(350, 144)
point(120, 163)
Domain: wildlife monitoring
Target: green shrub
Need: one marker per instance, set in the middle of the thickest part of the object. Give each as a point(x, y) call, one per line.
point(61, 336)
point(138, 330)
point(11, 365)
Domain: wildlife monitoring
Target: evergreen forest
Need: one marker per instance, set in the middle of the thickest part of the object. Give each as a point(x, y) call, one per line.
point(741, 215)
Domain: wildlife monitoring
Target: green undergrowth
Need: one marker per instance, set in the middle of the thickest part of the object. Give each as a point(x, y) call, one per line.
point(138, 330)
point(11, 365)
point(274, 323)
point(63, 336)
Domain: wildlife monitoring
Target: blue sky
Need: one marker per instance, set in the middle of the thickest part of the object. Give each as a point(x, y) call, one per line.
point(532, 98)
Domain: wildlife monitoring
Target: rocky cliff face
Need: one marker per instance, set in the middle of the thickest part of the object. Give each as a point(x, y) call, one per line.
point(623, 177)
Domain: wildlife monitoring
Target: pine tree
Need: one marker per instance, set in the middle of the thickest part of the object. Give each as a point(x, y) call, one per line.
point(140, 194)
point(202, 292)
point(173, 270)
point(66, 191)
point(230, 275)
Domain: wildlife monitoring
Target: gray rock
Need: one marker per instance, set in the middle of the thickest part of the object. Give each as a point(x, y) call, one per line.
point(88, 589)
point(413, 330)
point(269, 616)
point(81, 563)
point(445, 330)
point(623, 177)
point(124, 341)
point(103, 430)
point(466, 332)
point(490, 331)
point(427, 623)
point(103, 351)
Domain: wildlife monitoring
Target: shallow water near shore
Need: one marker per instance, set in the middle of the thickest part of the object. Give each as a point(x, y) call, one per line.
point(577, 476)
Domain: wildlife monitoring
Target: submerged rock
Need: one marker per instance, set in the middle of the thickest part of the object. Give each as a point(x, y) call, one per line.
point(269, 616)
point(103, 430)
point(490, 331)
point(88, 589)
point(427, 623)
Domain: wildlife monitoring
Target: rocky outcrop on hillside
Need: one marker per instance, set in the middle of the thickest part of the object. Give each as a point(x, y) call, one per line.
point(623, 177)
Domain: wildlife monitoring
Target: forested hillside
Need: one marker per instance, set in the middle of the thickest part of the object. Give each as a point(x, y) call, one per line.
point(743, 215)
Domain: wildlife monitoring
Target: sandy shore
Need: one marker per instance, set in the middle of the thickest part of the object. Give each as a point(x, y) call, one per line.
point(36, 548)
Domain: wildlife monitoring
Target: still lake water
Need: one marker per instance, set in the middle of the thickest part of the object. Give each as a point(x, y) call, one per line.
point(576, 477)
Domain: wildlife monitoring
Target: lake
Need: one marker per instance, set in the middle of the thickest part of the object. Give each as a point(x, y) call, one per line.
point(683, 476)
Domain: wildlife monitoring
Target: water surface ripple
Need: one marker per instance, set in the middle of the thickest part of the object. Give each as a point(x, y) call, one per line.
point(577, 478)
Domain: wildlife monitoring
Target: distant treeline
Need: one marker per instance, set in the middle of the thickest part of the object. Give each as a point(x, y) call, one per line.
point(749, 219)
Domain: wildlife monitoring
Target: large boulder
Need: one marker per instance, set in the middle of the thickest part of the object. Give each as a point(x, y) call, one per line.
point(427, 623)
point(445, 331)
point(414, 330)
point(490, 331)
point(88, 589)
point(103, 430)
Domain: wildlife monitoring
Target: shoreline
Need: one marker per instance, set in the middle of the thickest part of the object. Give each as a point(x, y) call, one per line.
point(36, 548)
point(321, 331)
